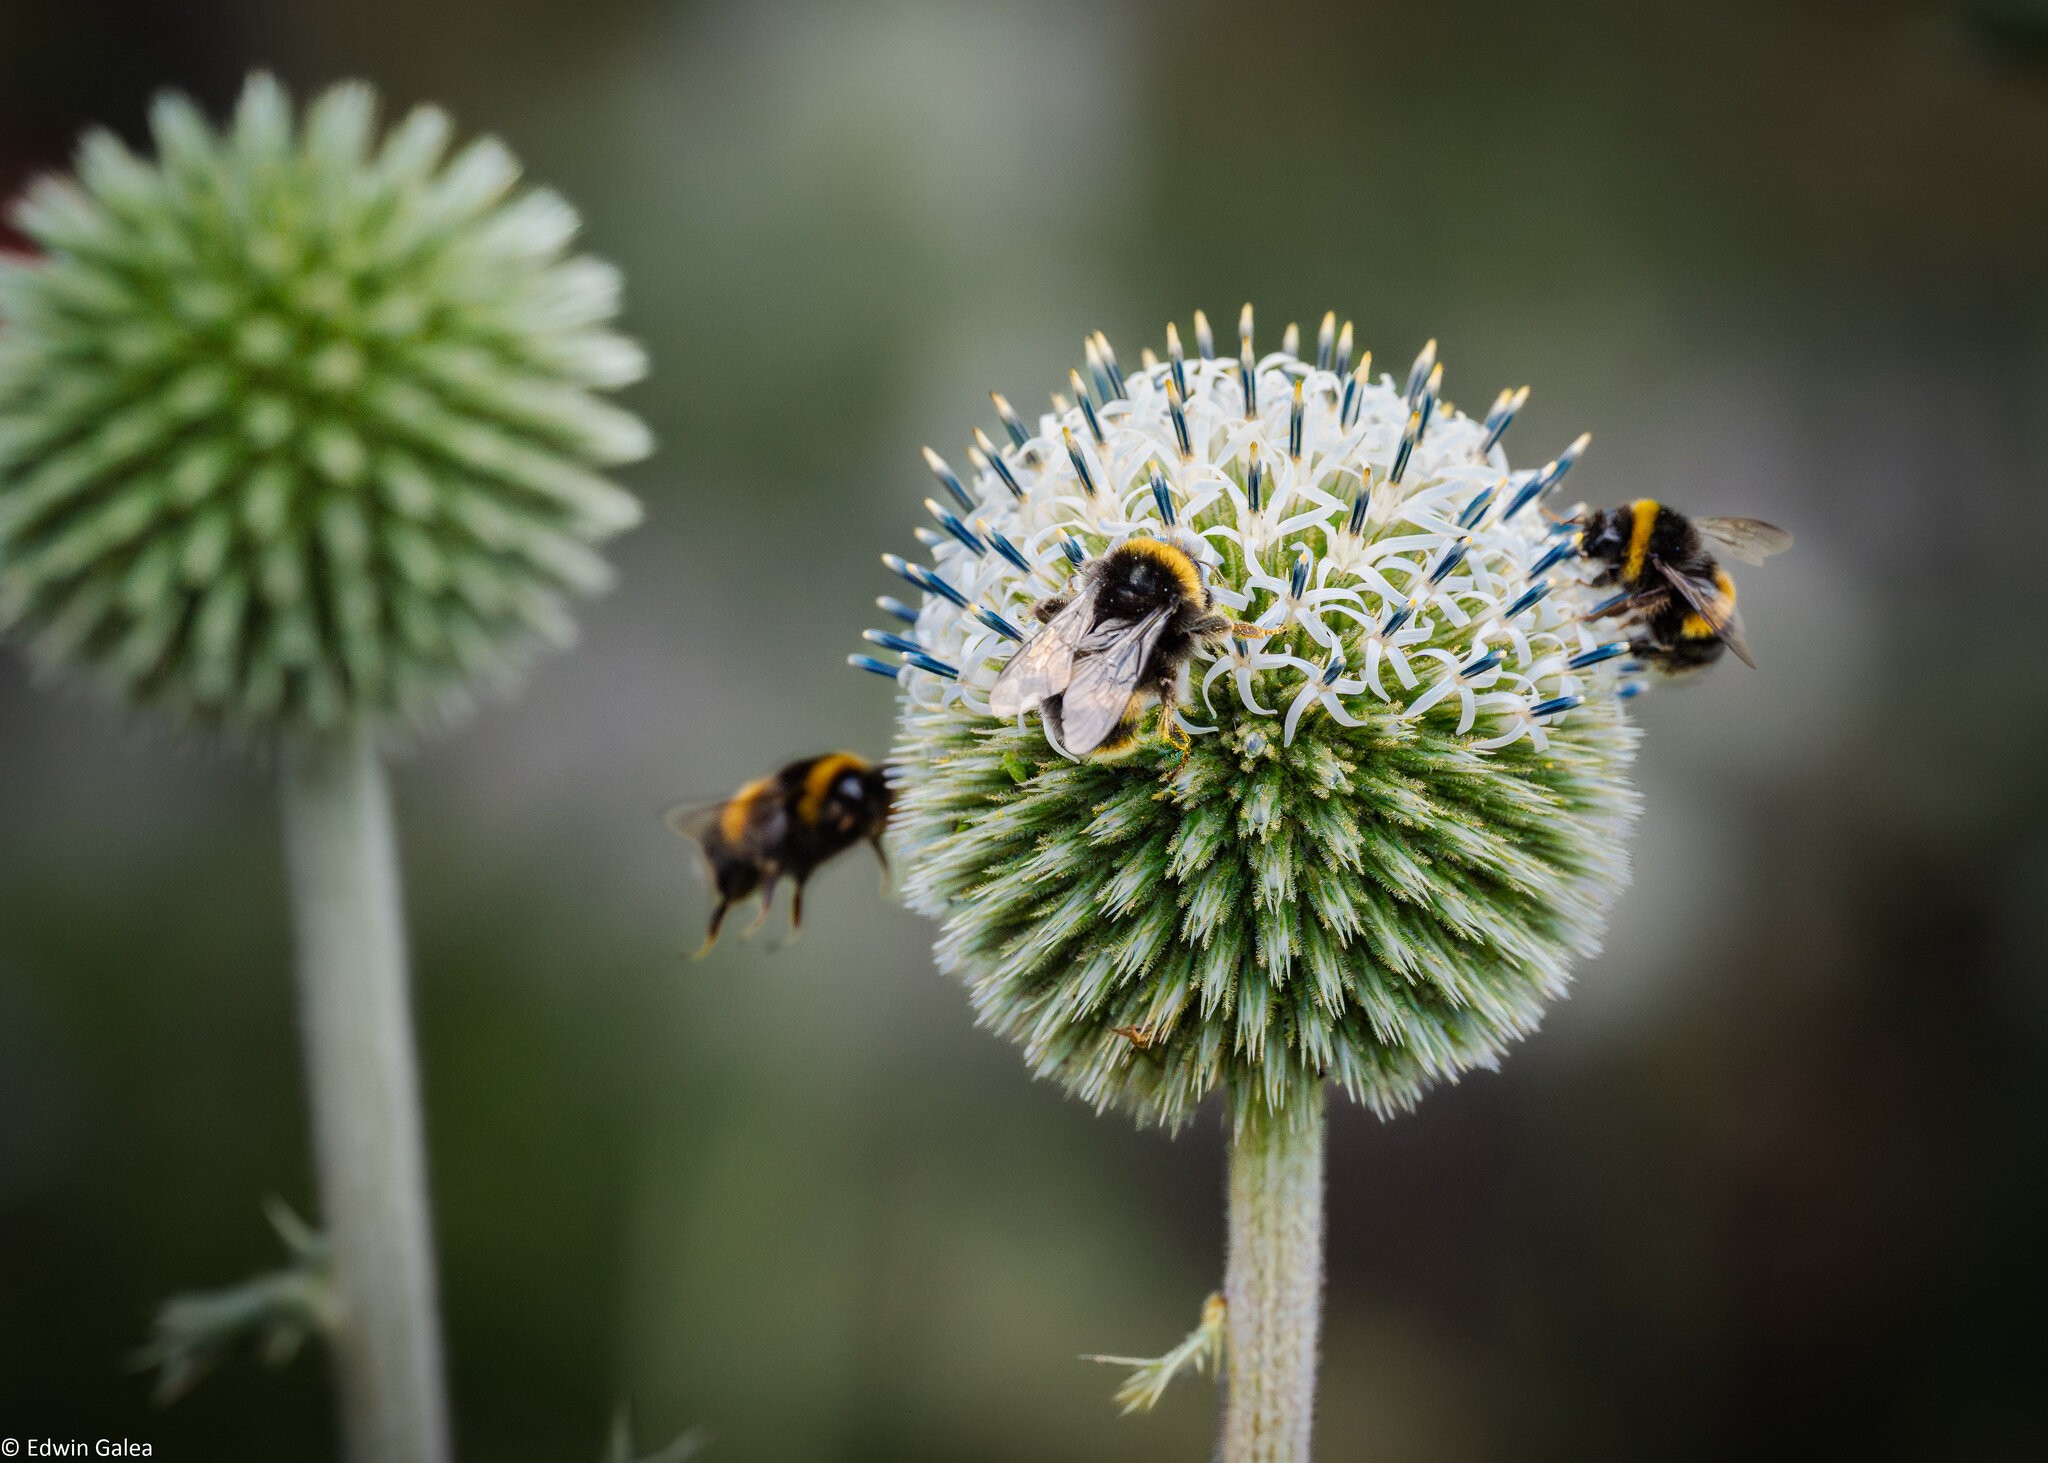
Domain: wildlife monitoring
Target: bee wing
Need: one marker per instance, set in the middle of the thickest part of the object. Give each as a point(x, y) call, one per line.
point(1043, 665)
point(1716, 608)
point(1749, 539)
point(1100, 691)
point(767, 819)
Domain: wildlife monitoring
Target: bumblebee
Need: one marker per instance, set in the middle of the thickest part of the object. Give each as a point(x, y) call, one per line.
point(1677, 599)
point(1113, 645)
point(787, 823)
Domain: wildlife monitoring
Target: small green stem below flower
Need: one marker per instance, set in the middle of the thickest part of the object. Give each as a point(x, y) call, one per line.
point(356, 1019)
point(1202, 1350)
point(1273, 1285)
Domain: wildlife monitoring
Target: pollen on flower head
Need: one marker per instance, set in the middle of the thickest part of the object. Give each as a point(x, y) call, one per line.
point(1405, 806)
point(300, 425)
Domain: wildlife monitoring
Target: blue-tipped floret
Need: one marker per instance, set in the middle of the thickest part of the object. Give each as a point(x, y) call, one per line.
point(1012, 423)
point(1071, 546)
point(1409, 437)
point(1255, 481)
point(1609, 605)
point(1501, 417)
point(1205, 338)
point(1554, 706)
point(948, 479)
point(1476, 509)
point(1117, 389)
point(931, 663)
point(924, 579)
point(1479, 665)
point(1087, 405)
point(1098, 373)
point(1360, 506)
point(1297, 573)
point(1528, 599)
point(1559, 552)
point(1597, 654)
point(1342, 365)
point(1530, 490)
point(1080, 461)
point(995, 622)
point(1401, 616)
point(879, 667)
point(1176, 359)
point(950, 521)
point(1426, 408)
point(888, 604)
point(1453, 557)
point(987, 454)
point(1294, 420)
point(1180, 422)
point(1326, 340)
point(1002, 545)
point(1425, 362)
point(1554, 473)
point(1248, 378)
point(889, 640)
point(1162, 496)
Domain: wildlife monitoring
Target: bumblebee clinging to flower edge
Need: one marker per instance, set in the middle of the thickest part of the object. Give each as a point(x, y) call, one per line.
point(787, 823)
point(1113, 645)
point(1679, 602)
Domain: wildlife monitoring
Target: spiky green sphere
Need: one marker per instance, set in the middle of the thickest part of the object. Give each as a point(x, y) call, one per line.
point(299, 427)
point(1405, 810)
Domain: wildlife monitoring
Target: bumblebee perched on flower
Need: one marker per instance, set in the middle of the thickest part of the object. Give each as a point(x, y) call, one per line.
point(1113, 645)
point(787, 823)
point(1677, 599)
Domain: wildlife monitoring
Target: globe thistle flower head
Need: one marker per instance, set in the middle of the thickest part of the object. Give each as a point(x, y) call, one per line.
point(1404, 808)
point(300, 426)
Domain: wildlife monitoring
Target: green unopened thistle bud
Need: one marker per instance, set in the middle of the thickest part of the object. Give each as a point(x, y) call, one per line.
point(1404, 810)
point(299, 427)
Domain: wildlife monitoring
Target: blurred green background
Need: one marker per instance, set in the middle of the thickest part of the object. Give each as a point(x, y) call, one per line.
point(1771, 1184)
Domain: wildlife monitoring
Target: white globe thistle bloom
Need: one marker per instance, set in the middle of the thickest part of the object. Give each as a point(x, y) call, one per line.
point(1405, 805)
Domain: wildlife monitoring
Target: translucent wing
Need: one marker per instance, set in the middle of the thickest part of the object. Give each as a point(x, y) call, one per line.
point(1044, 663)
point(1749, 539)
point(759, 819)
point(1716, 608)
point(1100, 691)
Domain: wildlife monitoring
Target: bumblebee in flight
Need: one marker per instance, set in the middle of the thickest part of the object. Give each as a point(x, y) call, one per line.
point(787, 823)
point(1678, 601)
point(1113, 645)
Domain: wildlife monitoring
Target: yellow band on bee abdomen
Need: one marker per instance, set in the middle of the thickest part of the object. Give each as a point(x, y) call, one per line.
point(1645, 511)
point(732, 818)
point(818, 782)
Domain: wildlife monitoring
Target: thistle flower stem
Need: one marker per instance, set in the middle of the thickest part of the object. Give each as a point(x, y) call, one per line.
point(1273, 1284)
point(356, 1018)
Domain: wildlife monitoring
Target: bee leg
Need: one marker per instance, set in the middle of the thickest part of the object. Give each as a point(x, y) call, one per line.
point(711, 935)
point(1171, 733)
point(1251, 632)
point(767, 903)
point(1649, 599)
point(1050, 606)
point(882, 858)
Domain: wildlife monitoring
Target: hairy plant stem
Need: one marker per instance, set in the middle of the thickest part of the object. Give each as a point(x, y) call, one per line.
point(1273, 1283)
point(356, 1019)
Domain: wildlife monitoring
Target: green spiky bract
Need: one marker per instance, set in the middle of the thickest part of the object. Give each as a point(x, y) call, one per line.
point(1379, 907)
point(299, 427)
